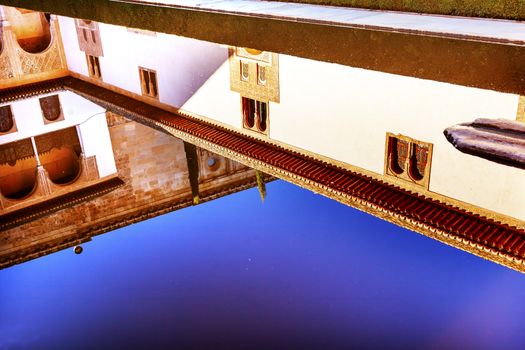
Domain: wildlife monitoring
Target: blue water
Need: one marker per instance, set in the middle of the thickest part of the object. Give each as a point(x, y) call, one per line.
point(299, 271)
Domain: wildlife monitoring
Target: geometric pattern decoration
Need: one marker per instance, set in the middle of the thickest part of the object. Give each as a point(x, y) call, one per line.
point(37, 63)
point(58, 139)
point(88, 36)
point(254, 74)
point(48, 60)
point(18, 150)
point(252, 54)
point(17, 65)
point(6, 71)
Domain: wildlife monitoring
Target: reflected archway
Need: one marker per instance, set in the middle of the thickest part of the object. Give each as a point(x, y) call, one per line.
point(62, 165)
point(31, 29)
point(18, 179)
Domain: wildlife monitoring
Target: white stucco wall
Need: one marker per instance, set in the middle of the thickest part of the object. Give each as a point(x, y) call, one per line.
point(76, 59)
point(216, 101)
point(182, 64)
point(344, 113)
point(97, 142)
point(332, 110)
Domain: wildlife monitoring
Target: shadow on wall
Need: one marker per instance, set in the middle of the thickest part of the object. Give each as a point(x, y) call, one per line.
point(193, 63)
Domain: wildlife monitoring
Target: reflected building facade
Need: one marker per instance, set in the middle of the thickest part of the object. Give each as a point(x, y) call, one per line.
point(368, 139)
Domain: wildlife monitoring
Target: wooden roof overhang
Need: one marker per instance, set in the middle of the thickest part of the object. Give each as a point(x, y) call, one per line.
point(494, 240)
point(498, 140)
point(486, 65)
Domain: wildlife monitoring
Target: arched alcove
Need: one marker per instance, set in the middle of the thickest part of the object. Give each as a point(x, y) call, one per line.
point(6, 119)
point(18, 179)
point(32, 29)
point(262, 116)
point(62, 164)
point(398, 150)
point(418, 162)
point(248, 110)
point(50, 107)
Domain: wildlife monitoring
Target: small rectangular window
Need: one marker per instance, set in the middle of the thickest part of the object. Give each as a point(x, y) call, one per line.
point(148, 82)
point(93, 67)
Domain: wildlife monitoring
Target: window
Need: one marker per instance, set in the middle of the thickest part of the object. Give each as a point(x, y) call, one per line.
point(148, 82)
point(408, 159)
point(261, 75)
point(255, 115)
point(88, 36)
point(398, 155)
point(245, 71)
point(418, 161)
point(88, 29)
point(51, 110)
point(93, 67)
point(6, 119)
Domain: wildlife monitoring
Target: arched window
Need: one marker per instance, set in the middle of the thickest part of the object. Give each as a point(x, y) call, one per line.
point(248, 111)
point(6, 119)
point(398, 155)
point(50, 106)
point(418, 161)
point(408, 159)
point(255, 115)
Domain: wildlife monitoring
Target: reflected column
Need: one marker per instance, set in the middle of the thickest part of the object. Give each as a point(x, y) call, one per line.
point(42, 176)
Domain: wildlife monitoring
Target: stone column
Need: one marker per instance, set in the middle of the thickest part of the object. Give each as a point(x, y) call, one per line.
point(42, 177)
point(193, 170)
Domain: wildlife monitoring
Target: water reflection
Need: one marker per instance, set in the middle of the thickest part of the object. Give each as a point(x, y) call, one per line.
point(120, 173)
point(124, 124)
point(110, 126)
